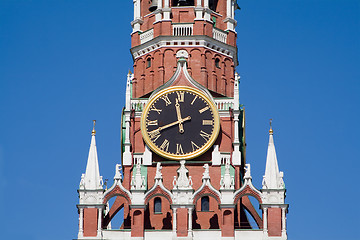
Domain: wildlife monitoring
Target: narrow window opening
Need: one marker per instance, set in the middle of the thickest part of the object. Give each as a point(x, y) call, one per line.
point(157, 205)
point(148, 62)
point(205, 204)
point(217, 63)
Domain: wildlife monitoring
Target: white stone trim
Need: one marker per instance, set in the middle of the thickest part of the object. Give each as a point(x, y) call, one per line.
point(203, 41)
point(146, 36)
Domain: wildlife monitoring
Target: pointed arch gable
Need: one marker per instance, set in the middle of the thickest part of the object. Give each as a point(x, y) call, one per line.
point(158, 191)
point(116, 191)
point(206, 191)
point(247, 191)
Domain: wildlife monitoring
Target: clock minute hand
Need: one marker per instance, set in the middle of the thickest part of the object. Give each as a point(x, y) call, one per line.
point(177, 106)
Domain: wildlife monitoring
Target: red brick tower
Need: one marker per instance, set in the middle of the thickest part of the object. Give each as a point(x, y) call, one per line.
point(184, 172)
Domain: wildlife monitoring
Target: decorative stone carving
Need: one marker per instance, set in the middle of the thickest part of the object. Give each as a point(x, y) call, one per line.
point(158, 171)
point(138, 181)
point(206, 172)
point(182, 54)
point(227, 181)
point(182, 181)
point(247, 171)
point(117, 172)
point(281, 180)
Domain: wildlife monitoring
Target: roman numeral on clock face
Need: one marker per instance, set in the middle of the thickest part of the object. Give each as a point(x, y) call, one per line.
point(192, 103)
point(166, 99)
point(152, 123)
point(179, 149)
point(194, 146)
point(203, 109)
point(181, 96)
point(165, 145)
point(205, 135)
point(153, 108)
point(208, 122)
point(154, 135)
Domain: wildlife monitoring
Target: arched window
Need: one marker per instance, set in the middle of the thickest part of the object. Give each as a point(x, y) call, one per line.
point(157, 205)
point(148, 62)
point(205, 204)
point(217, 62)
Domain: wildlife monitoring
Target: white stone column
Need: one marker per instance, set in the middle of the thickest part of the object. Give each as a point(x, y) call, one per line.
point(81, 223)
point(137, 12)
point(236, 127)
point(174, 221)
point(158, 15)
point(207, 10)
point(127, 158)
point(166, 11)
point(236, 156)
point(198, 10)
point(228, 8)
point(283, 218)
point(99, 222)
point(265, 221)
point(137, 18)
point(190, 222)
point(206, 3)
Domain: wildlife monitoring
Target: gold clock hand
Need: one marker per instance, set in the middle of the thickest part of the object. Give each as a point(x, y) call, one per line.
point(169, 125)
point(177, 106)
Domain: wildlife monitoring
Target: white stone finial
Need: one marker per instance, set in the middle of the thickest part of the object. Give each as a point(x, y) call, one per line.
point(182, 181)
point(117, 172)
point(247, 171)
point(227, 181)
point(281, 180)
point(206, 174)
point(138, 181)
point(158, 174)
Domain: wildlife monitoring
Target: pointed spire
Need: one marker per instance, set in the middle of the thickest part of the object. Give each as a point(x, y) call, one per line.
point(92, 179)
point(273, 178)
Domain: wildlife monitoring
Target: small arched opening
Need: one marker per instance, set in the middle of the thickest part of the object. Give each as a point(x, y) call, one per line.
point(157, 205)
point(248, 213)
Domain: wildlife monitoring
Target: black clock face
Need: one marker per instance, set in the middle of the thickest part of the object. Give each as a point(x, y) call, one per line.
point(180, 123)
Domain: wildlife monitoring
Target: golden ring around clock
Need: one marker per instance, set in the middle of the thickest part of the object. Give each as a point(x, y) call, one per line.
point(190, 155)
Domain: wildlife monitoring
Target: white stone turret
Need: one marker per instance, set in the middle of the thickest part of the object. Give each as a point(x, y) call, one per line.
point(91, 195)
point(273, 196)
point(92, 180)
point(273, 178)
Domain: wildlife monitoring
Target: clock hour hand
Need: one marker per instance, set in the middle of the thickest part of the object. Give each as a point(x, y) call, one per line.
point(177, 106)
point(157, 131)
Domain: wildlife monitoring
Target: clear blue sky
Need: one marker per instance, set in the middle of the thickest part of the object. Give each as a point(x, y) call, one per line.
point(64, 63)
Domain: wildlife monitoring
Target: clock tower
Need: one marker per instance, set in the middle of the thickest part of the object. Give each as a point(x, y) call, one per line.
point(183, 171)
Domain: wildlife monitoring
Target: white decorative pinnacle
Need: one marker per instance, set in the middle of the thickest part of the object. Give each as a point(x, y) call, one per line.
point(138, 181)
point(92, 180)
point(227, 181)
point(117, 172)
point(158, 174)
point(273, 178)
point(206, 174)
point(247, 172)
point(182, 181)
